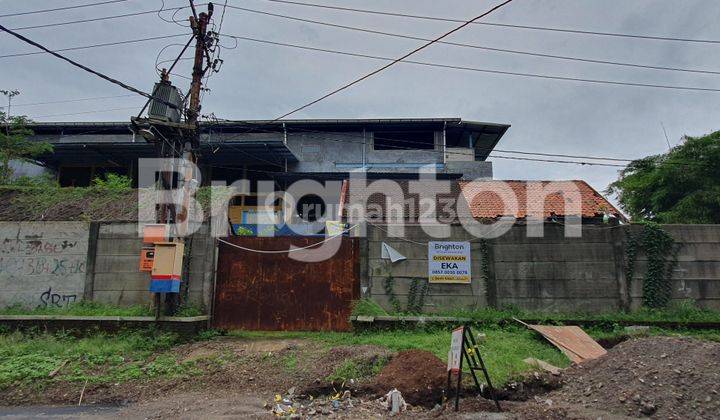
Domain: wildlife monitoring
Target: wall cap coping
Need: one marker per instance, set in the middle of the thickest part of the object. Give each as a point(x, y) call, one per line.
point(103, 318)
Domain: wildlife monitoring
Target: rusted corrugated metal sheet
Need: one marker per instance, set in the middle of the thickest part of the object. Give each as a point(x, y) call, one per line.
point(571, 340)
point(274, 292)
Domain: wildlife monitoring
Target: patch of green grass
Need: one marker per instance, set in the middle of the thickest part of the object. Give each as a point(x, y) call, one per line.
point(618, 333)
point(680, 311)
point(30, 358)
point(90, 308)
point(367, 307)
point(166, 365)
point(356, 369)
point(503, 350)
point(27, 367)
point(210, 334)
point(349, 369)
point(290, 362)
point(82, 308)
point(189, 310)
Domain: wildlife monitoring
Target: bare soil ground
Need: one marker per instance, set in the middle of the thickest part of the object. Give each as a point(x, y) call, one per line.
point(656, 377)
point(665, 377)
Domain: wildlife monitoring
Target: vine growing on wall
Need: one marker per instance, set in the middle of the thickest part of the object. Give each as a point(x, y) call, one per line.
point(661, 252)
point(412, 294)
point(415, 299)
point(390, 293)
point(631, 249)
point(484, 263)
point(421, 298)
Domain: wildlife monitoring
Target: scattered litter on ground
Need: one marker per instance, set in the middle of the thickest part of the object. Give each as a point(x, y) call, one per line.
point(58, 369)
point(646, 376)
point(338, 405)
point(394, 402)
point(418, 374)
point(543, 365)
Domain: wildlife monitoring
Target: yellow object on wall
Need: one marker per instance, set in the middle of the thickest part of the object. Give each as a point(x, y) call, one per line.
point(168, 259)
point(167, 267)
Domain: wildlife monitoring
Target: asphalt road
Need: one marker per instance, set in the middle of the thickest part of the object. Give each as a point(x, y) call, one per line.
point(59, 412)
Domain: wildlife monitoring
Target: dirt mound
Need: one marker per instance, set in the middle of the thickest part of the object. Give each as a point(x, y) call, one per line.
point(660, 376)
point(419, 375)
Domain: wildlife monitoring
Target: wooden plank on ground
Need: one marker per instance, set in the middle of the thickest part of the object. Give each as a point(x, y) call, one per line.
point(571, 340)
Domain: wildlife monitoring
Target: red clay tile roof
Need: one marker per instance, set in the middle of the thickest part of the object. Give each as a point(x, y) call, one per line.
point(561, 199)
point(485, 199)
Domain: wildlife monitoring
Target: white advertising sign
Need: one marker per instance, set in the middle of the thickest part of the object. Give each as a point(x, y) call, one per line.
point(449, 262)
point(455, 350)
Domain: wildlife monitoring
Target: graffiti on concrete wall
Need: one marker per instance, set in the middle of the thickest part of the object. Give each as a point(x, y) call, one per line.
point(42, 263)
point(38, 266)
point(48, 298)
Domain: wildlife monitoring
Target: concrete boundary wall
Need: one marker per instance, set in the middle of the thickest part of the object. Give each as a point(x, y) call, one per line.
point(118, 281)
point(58, 263)
point(550, 274)
point(43, 263)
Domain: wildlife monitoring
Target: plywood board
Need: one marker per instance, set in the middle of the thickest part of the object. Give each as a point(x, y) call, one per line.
point(571, 340)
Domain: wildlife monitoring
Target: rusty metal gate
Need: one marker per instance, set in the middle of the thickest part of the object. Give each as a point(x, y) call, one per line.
point(257, 291)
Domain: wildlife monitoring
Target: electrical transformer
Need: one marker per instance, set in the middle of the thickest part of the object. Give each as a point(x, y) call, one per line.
point(161, 111)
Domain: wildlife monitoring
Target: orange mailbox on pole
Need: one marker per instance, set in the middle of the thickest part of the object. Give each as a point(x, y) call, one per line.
point(147, 256)
point(152, 233)
point(167, 267)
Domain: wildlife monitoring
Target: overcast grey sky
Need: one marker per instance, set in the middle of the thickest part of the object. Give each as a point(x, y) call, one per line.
point(261, 81)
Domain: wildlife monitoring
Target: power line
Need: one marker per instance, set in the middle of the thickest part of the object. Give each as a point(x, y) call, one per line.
point(72, 22)
point(222, 17)
point(584, 162)
point(289, 250)
point(84, 47)
point(72, 100)
point(503, 25)
point(560, 161)
point(97, 19)
point(57, 9)
point(560, 155)
point(390, 34)
point(87, 112)
point(481, 70)
point(88, 69)
point(159, 14)
point(392, 62)
point(169, 71)
point(475, 46)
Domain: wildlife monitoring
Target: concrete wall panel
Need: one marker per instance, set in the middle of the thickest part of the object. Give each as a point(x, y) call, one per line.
point(551, 273)
point(42, 263)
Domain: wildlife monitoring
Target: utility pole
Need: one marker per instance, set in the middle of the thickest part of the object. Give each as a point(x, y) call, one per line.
point(199, 25)
point(180, 141)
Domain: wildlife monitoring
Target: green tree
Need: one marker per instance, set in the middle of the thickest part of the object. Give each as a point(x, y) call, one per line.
point(681, 186)
point(14, 145)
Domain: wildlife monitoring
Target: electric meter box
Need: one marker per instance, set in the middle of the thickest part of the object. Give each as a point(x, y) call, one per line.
point(167, 267)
